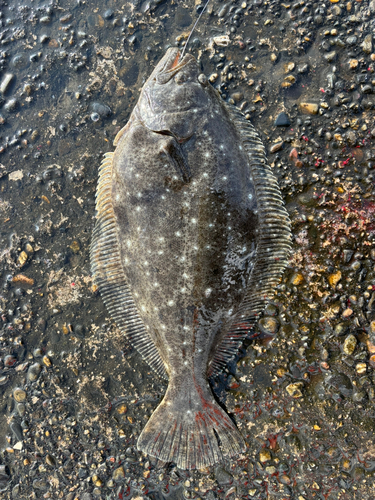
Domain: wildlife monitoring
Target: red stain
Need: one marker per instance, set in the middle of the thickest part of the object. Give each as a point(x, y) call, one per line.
point(175, 62)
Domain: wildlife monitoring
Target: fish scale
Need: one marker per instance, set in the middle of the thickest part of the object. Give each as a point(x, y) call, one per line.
point(191, 238)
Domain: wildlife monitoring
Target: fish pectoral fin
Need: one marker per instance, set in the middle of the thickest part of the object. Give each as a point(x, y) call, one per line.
point(175, 155)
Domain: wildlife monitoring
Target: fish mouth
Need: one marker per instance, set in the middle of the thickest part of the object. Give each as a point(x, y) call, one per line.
point(173, 64)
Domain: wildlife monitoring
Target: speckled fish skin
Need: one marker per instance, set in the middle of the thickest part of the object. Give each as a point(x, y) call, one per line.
point(186, 249)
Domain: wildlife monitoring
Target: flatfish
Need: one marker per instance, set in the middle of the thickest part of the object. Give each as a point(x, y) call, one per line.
point(191, 238)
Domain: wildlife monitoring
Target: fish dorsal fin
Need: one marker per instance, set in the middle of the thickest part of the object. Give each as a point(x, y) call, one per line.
point(273, 246)
point(108, 273)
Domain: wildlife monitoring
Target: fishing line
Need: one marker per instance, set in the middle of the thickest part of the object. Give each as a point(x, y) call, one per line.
point(191, 32)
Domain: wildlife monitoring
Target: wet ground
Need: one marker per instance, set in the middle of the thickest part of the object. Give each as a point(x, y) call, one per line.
point(74, 396)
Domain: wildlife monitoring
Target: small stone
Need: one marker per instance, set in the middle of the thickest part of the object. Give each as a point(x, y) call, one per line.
point(353, 63)
point(273, 57)
point(16, 429)
point(348, 312)
point(333, 279)
point(297, 279)
point(45, 19)
point(222, 476)
point(11, 105)
point(351, 40)
point(303, 68)
point(33, 372)
point(288, 81)
point(75, 246)
point(108, 14)
point(50, 460)
point(282, 120)
point(9, 360)
point(118, 474)
point(349, 345)
point(47, 361)
point(18, 446)
point(309, 108)
point(237, 96)
point(294, 390)
point(268, 325)
point(102, 109)
point(289, 67)
point(21, 409)
point(276, 147)
point(213, 77)
point(367, 44)
point(361, 368)
point(5, 84)
point(44, 38)
point(19, 394)
point(330, 56)
point(264, 456)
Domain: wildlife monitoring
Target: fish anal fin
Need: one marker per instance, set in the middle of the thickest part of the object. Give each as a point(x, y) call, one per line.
point(109, 276)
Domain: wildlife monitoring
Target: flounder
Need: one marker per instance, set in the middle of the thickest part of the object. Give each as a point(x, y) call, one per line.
point(191, 238)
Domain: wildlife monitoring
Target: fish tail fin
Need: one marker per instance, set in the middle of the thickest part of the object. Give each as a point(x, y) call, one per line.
point(192, 432)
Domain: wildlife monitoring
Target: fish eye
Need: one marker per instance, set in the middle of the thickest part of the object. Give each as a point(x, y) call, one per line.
point(180, 78)
point(202, 79)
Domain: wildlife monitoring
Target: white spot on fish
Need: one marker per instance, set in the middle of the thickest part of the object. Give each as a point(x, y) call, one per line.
point(208, 292)
point(170, 302)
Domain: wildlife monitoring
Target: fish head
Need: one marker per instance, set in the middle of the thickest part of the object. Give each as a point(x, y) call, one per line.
point(175, 97)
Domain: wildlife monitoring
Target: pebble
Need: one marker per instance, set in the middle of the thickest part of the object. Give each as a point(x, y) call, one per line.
point(19, 394)
point(39, 484)
point(367, 44)
point(21, 409)
point(309, 108)
point(333, 279)
point(222, 476)
point(101, 109)
point(361, 368)
point(330, 56)
point(5, 83)
point(264, 456)
point(297, 279)
point(348, 312)
point(303, 68)
point(349, 345)
point(118, 474)
point(108, 14)
point(75, 246)
point(268, 325)
point(16, 429)
point(294, 390)
point(276, 147)
point(282, 120)
point(47, 361)
point(33, 372)
point(11, 105)
point(351, 40)
point(50, 460)
point(9, 360)
point(353, 63)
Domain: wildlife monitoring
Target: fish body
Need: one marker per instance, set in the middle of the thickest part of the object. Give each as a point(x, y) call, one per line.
point(190, 240)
